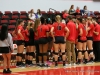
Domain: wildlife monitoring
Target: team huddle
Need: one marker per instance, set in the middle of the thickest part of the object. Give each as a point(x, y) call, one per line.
point(76, 41)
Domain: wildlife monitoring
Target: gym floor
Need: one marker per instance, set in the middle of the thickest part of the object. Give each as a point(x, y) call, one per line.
point(83, 69)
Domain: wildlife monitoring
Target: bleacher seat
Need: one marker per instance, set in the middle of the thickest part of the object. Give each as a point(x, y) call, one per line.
point(8, 13)
point(4, 22)
point(23, 13)
point(84, 16)
point(11, 27)
point(12, 22)
point(15, 13)
point(43, 12)
point(15, 17)
point(5, 17)
point(99, 21)
point(96, 12)
point(24, 17)
point(78, 16)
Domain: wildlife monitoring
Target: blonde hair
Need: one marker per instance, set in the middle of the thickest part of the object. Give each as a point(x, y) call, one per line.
point(58, 18)
point(36, 24)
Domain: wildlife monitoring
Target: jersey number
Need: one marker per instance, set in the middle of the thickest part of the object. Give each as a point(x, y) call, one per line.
point(58, 27)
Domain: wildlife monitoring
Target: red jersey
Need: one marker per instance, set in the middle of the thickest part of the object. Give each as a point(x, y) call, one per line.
point(90, 32)
point(49, 26)
point(72, 31)
point(59, 29)
point(83, 27)
point(78, 11)
point(42, 29)
point(21, 31)
point(26, 35)
point(36, 36)
point(96, 37)
point(65, 15)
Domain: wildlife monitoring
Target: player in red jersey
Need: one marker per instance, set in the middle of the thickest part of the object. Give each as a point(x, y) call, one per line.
point(20, 33)
point(71, 39)
point(36, 40)
point(90, 29)
point(96, 41)
point(43, 32)
point(82, 40)
point(59, 38)
point(50, 39)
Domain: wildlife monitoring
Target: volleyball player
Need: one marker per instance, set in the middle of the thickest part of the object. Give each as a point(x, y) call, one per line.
point(20, 42)
point(43, 42)
point(82, 40)
point(31, 44)
point(50, 39)
point(27, 45)
point(90, 29)
point(59, 38)
point(36, 39)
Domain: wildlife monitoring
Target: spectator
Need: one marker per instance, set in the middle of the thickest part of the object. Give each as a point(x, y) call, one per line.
point(78, 11)
point(72, 10)
point(85, 11)
point(65, 14)
point(6, 47)
point(39, 14)
point(32, 15)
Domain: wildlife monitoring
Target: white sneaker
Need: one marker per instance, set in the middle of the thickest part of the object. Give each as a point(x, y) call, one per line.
point(69, 64)
point(74, 64)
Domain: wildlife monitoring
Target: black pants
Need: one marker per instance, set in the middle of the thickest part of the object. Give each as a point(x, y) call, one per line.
point(96, 49)
point(36, 43)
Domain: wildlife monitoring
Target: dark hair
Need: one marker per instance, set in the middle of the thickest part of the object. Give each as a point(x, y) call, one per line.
point(39, 11)
point(48, 21)
point(42, 20)
point(17, 23)
point(70, 17)
point(84, 7)
point(80, 20)
point(4, 32)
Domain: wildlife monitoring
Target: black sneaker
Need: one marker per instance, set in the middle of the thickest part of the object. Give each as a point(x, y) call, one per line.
point(22, 64)
point(56, 64)
point(64, 64)
point(4, 71)
point(78, 63)
point(9, 71)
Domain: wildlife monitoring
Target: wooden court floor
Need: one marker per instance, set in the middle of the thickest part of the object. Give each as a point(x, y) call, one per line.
point(82, 69)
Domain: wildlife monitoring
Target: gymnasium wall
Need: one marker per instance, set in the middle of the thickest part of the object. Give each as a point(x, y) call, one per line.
point(44, 5)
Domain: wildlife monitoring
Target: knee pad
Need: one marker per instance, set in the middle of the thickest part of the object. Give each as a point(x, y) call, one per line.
point(56, 53)
point(84, 51)
point(27, 53)
point(79, 51)
point(63, 53)
point(90, 51)
point(20, 54)
point(31, 53)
